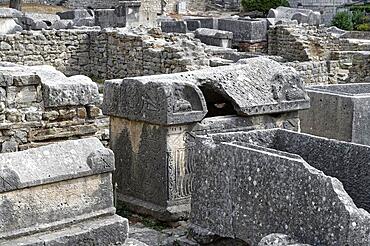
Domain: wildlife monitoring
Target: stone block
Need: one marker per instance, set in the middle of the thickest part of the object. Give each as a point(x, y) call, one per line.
point(59, 194)
point(57, 89)
point(214, 37)
point(174, 26)
point(205, 22)
point(339, 111)
point(164, 100)
point(151, 118)
point(245, 30)
point(301, 15)
point(193, 25)
point(249, 185)
point(9, 26)
point(130, 11)
point(75, 14)
point(10, 13)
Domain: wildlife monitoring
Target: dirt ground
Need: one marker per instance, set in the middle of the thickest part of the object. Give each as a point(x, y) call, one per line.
point(39, 8)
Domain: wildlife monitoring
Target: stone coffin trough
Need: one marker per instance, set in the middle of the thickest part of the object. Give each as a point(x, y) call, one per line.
point(60, 194)
point(339, 111)
point(248, 185)
point(151, 118)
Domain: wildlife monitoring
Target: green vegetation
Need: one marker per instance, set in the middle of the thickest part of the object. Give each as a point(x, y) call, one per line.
point(262, 5)
point(356, 20)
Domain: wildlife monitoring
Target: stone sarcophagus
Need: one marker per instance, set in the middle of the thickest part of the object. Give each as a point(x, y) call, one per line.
point(152, 117)
point(248, 185)
point(339, 111)
point(60, 194)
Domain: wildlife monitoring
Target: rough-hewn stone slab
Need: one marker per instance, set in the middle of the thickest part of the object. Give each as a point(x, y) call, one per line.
point(214, 37)
point(259, 86)
point(339, 111)
point(249, 185)
point(58, 90)
point(245, 30)
point(55, 193)
point(69, 159)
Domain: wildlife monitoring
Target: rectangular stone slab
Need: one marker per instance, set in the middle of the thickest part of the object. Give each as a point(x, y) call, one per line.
point(53, 163)
point(56, 186)
point(107, 230)
point(249, 185)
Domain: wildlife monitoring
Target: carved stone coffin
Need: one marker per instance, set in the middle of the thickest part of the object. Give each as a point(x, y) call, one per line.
point(151, 118)
point(60, 194)
point(248, 185)
point(339, 111)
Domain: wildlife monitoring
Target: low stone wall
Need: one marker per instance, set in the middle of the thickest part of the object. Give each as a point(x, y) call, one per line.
point(68, 51)
point(308, 43)
point(313, 72)
point(105, 54)
point(360, 70)
point(39, 105)
point(282, 42)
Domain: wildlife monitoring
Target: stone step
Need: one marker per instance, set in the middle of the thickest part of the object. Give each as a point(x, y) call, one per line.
point(133, 242)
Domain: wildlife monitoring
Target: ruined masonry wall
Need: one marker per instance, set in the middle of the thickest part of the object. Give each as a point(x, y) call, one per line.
point(307, 43)
point(68, 51)
point(99, 54)
point(25, 122)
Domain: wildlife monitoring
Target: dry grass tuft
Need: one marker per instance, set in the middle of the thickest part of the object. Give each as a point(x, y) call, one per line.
point(39, 8)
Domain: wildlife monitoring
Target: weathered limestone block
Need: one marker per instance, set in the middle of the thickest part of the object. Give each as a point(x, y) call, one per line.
point(339, 111)
point(249, 185)
point(301, 15)
point(174, 26)
point(61, 193)
point(57, 89)
point(245, 30)
point(7, 22)
point(214, 37)
point(151, 118)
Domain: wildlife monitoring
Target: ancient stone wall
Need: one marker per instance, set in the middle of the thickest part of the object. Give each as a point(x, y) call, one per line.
point(282, 42)
point(68, 51)
point(313, 72)
point(308, 43)
point(104, 54)
point(38, 109)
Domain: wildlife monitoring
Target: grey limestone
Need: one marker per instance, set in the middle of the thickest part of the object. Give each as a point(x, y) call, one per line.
point(259, 86)
point(152, 117)
point(59, 194)
point(58, 90)
point(245, 30)
point(339, 112)
point(174, 26)
point(214, 37)
point(301, 15)
point(8, 25)
point(248, 185)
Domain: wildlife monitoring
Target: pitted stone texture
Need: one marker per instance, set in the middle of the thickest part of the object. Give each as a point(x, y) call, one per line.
point(277, 239)
point(249, 185)
point(339, 111)
point(259, 86)
point(58, 90)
